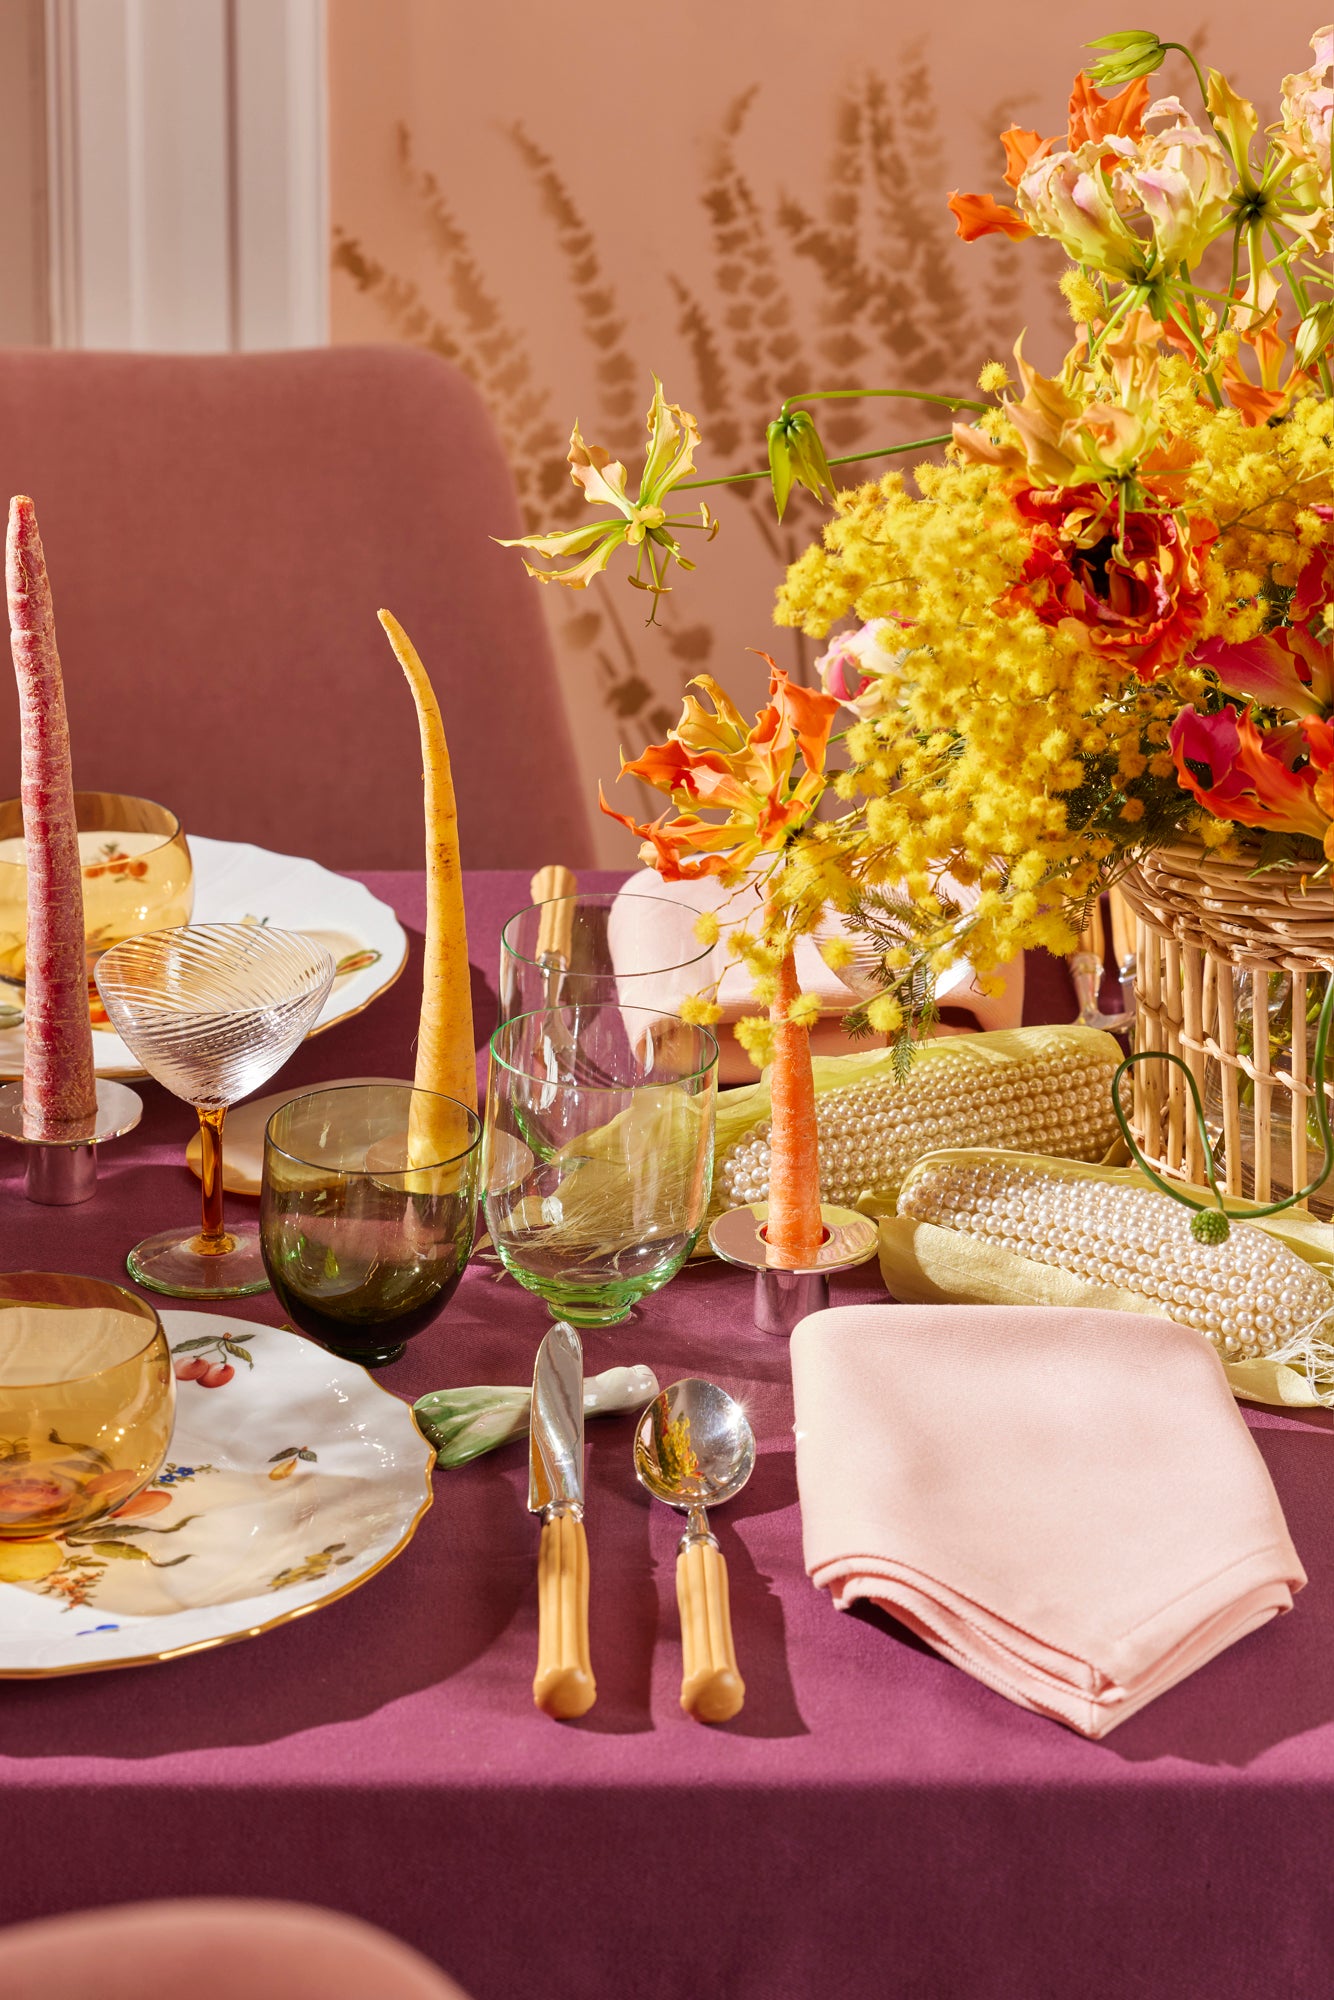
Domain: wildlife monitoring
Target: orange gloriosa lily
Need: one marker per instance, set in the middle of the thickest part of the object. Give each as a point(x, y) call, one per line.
point(1258, 402)
point(977, 215)
point(1091, 117)
point(713, 763)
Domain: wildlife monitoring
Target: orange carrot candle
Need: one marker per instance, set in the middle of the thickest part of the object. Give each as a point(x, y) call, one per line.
point(793, 1232)
point(59, 1083)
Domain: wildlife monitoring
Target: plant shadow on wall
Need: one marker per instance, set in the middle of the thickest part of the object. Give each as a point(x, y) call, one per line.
point(861, 284)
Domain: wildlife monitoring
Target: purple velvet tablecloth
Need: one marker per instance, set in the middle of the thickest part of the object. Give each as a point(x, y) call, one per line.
point(874, 1823)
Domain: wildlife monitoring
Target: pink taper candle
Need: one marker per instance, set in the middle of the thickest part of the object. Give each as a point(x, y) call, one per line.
point(59, 1083)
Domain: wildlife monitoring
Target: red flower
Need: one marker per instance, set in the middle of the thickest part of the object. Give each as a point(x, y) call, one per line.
point(1315, 585)
point(1291, 666)
point(1134, 587)
point(1281, 779)
point(1285, 668)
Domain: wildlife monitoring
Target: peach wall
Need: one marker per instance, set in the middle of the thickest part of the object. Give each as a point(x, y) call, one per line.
point(24, 310)
point(745, 196)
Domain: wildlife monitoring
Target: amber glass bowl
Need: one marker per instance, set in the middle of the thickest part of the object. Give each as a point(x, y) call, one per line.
point(87, 1398)
point(136, 876)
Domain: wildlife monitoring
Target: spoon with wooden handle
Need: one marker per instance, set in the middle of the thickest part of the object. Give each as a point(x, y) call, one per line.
point(695, 1449)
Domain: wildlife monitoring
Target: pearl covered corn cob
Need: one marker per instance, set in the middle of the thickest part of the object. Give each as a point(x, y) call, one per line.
point(1251, 1295)
point(1044, 1089)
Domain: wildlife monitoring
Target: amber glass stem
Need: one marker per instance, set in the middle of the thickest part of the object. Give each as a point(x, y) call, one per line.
point(213, 1237)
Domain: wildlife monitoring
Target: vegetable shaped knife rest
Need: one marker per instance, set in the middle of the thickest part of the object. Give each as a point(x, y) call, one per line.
point(464, 1423)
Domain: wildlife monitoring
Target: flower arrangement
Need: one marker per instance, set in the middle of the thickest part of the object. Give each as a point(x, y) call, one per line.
point(1101, 622)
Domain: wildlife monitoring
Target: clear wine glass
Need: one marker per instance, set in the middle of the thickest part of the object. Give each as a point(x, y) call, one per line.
point(211, 1011)
point(598, 1154)
point(606, 947)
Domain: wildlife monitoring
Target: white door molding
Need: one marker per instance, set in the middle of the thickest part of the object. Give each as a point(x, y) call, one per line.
point(188, 168)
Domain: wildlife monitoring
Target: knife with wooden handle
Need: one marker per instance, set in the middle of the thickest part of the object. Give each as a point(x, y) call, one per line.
point(554, 887)
point(563, 1686)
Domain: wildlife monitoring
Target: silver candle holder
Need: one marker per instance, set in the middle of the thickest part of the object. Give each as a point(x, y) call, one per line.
point(61, 1172)
point(782, 1297)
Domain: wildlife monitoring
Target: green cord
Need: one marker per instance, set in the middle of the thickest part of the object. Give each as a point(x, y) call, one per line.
point(1323, 1126)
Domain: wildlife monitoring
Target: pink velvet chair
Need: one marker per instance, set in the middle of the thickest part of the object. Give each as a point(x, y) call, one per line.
point(220, 532)
point(213, 1950)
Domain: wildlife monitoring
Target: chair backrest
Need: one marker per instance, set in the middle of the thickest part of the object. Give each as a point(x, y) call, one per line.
point(220, 531)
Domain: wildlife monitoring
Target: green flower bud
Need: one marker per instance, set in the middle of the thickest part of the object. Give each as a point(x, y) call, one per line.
point(796, 453)
point(780, 461)
point(1315, 334)
point(1210, 1225)
point(809, 463)
point(1136, 52)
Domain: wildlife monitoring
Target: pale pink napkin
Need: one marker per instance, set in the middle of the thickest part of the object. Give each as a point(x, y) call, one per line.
point(1066, 1504)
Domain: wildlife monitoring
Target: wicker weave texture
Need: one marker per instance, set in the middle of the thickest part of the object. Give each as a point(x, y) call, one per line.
point(1272, 920)
point(1199, 923)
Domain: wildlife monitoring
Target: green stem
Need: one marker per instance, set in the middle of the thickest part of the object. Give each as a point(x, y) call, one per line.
point(1226, 315)
point(1134, 295)
point(888, 451)
point(1197, 334)
point(1301, 295)
point(851, 458)
point(1182, 50)
point(910, 395)
point(1283, 257)
point(1197, 342)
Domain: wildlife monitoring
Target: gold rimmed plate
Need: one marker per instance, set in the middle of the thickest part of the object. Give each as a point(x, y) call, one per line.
point(291, 1479)
point(235, 883)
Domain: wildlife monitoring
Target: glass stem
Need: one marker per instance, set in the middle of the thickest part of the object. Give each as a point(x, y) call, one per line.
point(213, 1238)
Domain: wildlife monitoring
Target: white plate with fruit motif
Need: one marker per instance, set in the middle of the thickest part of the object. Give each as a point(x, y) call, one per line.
point(291, 1478)
point(235, 883)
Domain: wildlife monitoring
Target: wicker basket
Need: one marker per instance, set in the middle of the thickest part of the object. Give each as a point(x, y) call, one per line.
point(1202, 923)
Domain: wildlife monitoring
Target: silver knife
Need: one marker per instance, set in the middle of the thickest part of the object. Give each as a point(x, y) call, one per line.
point(563, 1685)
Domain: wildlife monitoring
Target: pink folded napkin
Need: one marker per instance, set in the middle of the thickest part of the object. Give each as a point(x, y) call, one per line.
point(1066, 1504)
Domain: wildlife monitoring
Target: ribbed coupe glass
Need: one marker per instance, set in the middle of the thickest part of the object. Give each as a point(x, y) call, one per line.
point(598, 1154)
point(211, 1011)
point(87, 1398)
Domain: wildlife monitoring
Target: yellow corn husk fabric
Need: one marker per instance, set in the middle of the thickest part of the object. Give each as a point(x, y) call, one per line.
point(930, 1263)
point(1044, 1088)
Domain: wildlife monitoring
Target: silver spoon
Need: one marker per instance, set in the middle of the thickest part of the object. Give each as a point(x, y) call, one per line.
point(695, 1449)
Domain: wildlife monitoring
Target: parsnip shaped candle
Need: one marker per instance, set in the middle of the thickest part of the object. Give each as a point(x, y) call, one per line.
point(59, 1083)
point(446, 1061)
